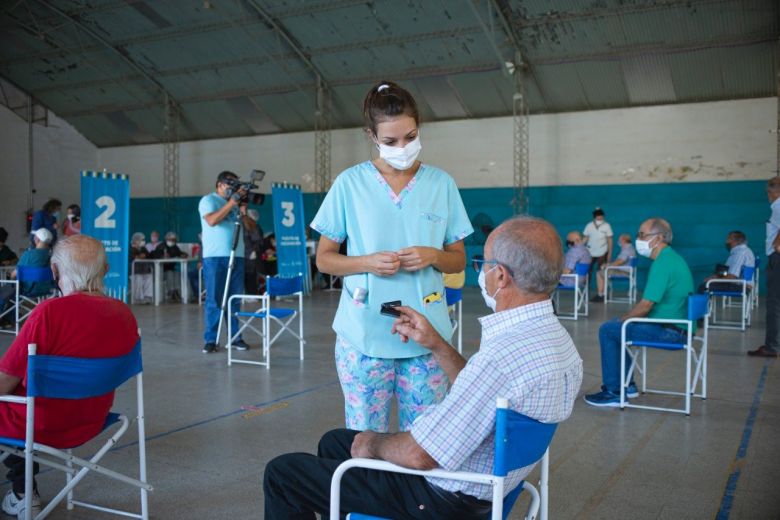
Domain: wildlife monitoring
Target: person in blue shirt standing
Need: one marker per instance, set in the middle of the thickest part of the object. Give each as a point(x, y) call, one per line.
point(404, 224)
point(46, 217)
point(219, 211)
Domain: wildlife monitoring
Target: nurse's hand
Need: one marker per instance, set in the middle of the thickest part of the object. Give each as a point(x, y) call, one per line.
point(384, 263)
point(413, 325)
point(417, 257)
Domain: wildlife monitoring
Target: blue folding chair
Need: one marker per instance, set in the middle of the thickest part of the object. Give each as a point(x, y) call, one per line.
point(455, 297)
point(698, 308)
point(276, 288)
point(743, 291)
point(577, 284)
point(614, 274)
point(60, 377)
point(520, 442)
point(24, 302)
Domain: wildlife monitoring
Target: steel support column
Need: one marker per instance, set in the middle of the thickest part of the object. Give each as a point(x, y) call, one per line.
point(520, 140)
point(322, 126)
point(171, 164)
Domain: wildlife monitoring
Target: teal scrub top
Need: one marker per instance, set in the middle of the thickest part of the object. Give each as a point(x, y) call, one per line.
point(362, 208)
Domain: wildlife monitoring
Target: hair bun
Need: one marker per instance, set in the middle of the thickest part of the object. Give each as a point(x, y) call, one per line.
point(382, 87)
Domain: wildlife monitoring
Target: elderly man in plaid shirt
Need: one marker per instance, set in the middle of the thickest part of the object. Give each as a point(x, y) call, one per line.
point(525, 355)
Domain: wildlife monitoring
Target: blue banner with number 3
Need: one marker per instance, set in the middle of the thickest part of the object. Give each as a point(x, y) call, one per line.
point(290, 231)
point(105, 215)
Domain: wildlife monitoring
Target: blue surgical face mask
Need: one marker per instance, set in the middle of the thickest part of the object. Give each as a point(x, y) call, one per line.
point(56, 214)
point(490, 301)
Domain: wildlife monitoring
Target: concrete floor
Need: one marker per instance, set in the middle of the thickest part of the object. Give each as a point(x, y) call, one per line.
point(207, 452)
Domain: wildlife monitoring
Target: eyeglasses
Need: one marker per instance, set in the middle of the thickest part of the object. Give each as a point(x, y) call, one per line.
point(477, 261)
point(641, 235)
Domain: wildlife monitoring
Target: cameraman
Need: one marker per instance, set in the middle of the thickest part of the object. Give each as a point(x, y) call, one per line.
point(218, 213)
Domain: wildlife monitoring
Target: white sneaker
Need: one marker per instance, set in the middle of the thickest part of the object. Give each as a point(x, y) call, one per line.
point(15, 506)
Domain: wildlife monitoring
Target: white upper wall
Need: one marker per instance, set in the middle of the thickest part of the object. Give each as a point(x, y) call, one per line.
point(60, 153)
point(727, 140)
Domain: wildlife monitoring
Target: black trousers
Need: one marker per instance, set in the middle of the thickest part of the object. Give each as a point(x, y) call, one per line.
point(773, 302)
point(720, 286)
point(297, 485)
point(15, 473)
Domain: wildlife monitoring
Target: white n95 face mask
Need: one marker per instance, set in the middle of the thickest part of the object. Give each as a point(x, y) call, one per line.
point(490, 301)
point(401, 158)
point(643, 247)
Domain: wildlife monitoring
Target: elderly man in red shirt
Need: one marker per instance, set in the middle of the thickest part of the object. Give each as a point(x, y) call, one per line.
point(82, 323)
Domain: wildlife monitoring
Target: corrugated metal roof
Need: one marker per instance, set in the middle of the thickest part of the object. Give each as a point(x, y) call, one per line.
point(232, 73)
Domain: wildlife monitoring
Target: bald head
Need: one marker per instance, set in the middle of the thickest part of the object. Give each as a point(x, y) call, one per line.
point(531, 249)
point(79, 262)
point(657, 226)
point(625, 238)
point(574, 237)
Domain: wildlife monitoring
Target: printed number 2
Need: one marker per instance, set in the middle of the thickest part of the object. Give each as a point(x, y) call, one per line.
point(104, 220)
point(289, 216)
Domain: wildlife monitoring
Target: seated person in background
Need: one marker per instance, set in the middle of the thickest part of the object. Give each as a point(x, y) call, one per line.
point(454, 281)
point(576, 253)
point(669, 283)
point(82, 323)
point(740, 256)
point(193, 269)
point(169, 249)
point(72, 224)
point(37, 257)
point(525, 355)
point(627, 253)
point(142, 282)
point(7, 256)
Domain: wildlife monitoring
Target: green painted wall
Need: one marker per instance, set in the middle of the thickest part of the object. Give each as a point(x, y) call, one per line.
point(701, 214)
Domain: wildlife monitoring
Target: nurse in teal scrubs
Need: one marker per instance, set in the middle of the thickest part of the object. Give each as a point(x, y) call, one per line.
point(404, 223)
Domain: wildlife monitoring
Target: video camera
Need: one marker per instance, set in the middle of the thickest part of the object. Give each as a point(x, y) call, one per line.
point(250, 197)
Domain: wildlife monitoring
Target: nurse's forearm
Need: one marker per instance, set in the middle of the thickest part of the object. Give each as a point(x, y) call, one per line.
point(339, 265)
point(450, 262)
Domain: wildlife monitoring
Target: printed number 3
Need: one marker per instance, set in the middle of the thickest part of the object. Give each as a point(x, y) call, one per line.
point(289, 216)
point(104, 220)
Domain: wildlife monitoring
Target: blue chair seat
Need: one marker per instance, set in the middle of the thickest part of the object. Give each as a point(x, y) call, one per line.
point(276, 313)
point(453, 296)
point(661, 345)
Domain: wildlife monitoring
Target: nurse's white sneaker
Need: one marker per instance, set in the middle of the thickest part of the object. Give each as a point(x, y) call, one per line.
point(12, 505)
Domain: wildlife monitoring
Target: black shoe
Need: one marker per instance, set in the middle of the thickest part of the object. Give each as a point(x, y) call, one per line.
point(597, 299)
point(240, 345)
point(209, 348)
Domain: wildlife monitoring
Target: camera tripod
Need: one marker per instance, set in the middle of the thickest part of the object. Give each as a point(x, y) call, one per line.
point(231, 265)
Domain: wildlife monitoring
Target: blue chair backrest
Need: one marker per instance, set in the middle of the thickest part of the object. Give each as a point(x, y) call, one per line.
point(697, 306)
point(520, 441)
point(748, 273)
point(79, 378)
point(453, 296)
point(277, 286)
point(581, 269)
point(634, 262)
point(30, 273)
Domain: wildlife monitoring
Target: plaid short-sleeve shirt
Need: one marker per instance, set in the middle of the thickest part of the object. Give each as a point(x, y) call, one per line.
point(526, 356)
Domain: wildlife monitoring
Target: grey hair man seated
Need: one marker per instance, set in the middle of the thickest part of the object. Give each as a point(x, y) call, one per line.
point(83, 323)
point(525, 355)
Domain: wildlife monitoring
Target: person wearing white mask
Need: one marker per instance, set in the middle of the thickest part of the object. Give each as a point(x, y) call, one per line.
point(143, 279)
point(170, 249)
point(404, 224)
point(669, 283)
point(597, 237)
point(525, 355)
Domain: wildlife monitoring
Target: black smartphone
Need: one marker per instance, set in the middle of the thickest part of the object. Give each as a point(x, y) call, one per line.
point(389, 309)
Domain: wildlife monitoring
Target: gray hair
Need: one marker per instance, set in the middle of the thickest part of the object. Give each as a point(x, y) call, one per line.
point(137, 237)
point(81, 264)
point(662, 228)
point(531, 249)
point(170, 235)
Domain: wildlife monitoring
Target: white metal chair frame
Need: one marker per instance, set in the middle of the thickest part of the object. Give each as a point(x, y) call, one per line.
point(626, 273)
point(264, 313)
point(580, 290)
point(22, 305)
point(74, 467)
point(691, 356)
point(745, 305)
point(539, 498)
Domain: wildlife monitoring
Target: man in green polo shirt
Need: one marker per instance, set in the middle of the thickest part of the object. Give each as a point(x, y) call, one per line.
point(666, 296)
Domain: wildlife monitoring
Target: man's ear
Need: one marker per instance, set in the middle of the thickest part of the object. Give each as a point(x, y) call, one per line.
point(504, 279)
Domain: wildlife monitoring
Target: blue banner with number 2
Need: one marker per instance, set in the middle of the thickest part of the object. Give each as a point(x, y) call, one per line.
point(105, 215)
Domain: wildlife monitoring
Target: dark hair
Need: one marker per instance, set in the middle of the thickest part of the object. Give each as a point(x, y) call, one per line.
point(3, 234)
point(386, 100)
point(75, 209)
point(223, 176)
point(598, 212)
point(51, 205)
point(738, 236)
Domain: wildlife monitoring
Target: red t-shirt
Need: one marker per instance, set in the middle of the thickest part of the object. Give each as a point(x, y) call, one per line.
point(78, 325)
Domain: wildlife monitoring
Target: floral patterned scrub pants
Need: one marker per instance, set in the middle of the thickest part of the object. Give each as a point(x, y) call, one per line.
point(370, 383)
